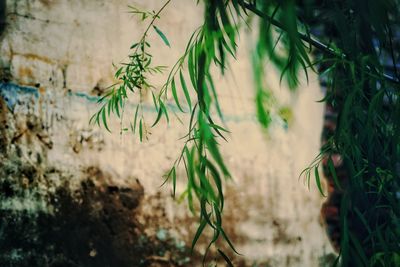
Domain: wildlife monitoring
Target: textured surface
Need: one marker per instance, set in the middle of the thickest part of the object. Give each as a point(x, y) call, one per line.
point(56, 57)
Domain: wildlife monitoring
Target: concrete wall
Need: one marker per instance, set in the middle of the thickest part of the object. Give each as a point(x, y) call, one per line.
point(56, 56)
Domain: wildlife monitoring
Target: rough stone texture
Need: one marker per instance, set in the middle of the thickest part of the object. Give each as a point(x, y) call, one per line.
point(73, 187)
point(72, 217)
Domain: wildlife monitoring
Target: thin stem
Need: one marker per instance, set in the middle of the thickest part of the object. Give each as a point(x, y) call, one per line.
point(152, 22)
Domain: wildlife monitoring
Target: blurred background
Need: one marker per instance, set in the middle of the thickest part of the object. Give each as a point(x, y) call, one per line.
point(73, 194)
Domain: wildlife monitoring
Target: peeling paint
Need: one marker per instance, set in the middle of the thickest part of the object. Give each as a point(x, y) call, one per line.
point(13, 93)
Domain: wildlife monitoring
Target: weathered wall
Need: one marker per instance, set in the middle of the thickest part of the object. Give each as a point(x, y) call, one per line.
point(55, 59)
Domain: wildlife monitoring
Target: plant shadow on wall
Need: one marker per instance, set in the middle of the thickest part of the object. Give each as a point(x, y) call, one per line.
point(357, 60)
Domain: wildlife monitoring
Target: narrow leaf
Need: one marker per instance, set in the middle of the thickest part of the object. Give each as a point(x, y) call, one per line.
point(160, 111)
point(162, 35)
point(140, 130)
point(173, 174)
point(135, 119)
point(164, 110)
point(228, 241)
point(185, 90)
point(200, 229)
point(174, 94)
point(103, 114)
point(318, 181)
point(226, 258)
point(333, 172)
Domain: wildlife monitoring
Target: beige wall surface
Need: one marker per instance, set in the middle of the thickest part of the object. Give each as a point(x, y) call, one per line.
point(63, 51)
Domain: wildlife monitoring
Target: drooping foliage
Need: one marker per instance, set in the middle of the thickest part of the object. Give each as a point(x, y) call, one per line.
point(363, 86)
point(356, 53)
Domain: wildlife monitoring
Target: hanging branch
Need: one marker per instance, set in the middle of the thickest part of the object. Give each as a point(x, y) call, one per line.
point(310, 40)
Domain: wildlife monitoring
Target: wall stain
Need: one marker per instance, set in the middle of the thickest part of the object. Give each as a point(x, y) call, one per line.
point(33, 57)
point(25, 72)
point(49, 222)
point(13, 92)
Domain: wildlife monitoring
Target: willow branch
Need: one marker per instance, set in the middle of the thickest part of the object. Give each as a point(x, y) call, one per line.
point(308, 39)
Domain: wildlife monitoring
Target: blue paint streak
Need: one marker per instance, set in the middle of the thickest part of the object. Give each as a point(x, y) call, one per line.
point(12, 93)
point(93, 99)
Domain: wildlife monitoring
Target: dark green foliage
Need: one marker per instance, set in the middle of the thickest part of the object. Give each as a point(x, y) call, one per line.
point(363, 85)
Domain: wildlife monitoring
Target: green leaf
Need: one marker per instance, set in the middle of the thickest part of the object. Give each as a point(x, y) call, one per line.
point(116, 108)
point(203, 210)
point(134, 45)
point(182, 196)
point(202, 91)
point(154, 100)
point(191, 65)
point(200, 229)
point(217, 181)
point(215, 126)
point(185, 90)
point(228, 48)
point(333, 172)
point(140, 130)
point(174, 94)
point(212, 147)
point(205, 185)
point(214, 91)
point(164, 110)
point(173, 174)
point(263, 116)
point(190, 169)
point(318, 181)
point(228, 241)
point(135, 119)
point(191, 121)
point(162, 35)
point(103, 114)
point(160, 112)
point(190, 199)
point(226, 258)
point(94, 118)
point(118, 72)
